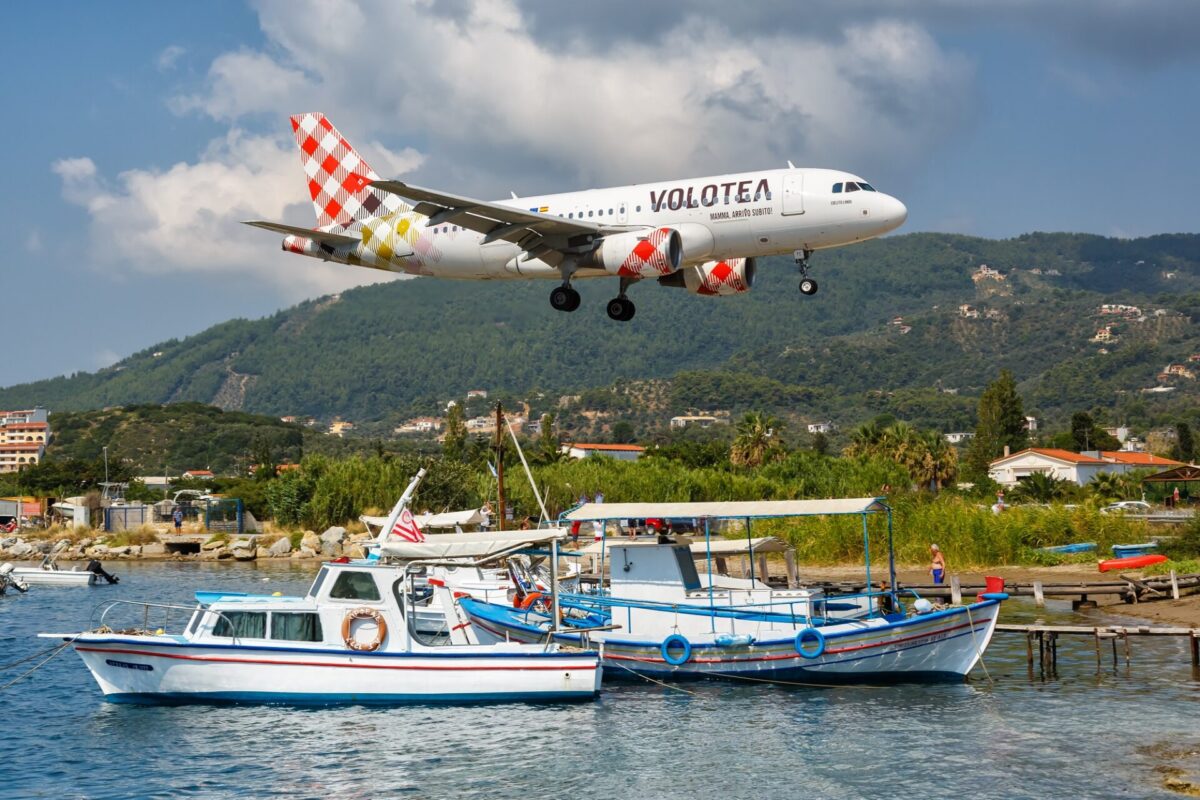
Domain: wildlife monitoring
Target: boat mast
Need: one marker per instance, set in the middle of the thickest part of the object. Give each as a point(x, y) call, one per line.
point(499, 467)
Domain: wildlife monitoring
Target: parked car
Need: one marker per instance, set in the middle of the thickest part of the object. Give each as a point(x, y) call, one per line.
point(1127, 507)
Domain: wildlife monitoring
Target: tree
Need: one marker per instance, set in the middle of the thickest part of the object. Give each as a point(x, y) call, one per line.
point(548, 448)
point(1040, 488)
point(756, 440)
point(820, 443)
point(1086, 435)
point(1001, 423)
point(454, 444)
point(1185, 445)
point(622, 432)
point(1109, 486)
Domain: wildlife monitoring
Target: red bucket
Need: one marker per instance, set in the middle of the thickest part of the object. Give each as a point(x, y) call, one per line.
point(992, 585)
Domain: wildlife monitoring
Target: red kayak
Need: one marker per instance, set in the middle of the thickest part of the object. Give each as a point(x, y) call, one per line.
point(1133, 562)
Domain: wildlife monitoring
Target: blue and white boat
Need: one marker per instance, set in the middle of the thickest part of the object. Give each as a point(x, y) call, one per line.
point(660, 617)
point(1133, 550)
point(1076, 547)
point(349, 639)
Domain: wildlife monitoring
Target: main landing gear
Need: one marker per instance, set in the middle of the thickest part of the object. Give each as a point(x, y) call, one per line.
point(807, 285)
point(564, 298)
point(621, 308)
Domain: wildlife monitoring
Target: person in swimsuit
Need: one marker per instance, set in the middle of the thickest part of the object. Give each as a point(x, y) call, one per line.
point(938, 569)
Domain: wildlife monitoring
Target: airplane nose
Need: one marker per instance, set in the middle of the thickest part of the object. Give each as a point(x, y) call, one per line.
point(895, 213)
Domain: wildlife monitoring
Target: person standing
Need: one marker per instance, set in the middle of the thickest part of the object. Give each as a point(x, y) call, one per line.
point(938, 566)
point(177, 516)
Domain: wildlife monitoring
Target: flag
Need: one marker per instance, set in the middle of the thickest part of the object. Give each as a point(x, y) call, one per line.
point(406, 527)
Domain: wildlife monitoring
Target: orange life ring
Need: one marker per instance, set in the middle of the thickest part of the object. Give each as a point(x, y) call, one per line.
point(364, 613)
point(529, 599)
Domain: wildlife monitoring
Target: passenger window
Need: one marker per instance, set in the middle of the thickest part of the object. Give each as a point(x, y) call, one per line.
point(354, 586)
point(589, 213)
point(571, 215)
point(837, 188)
point(241, 625)
point(639, 208)
point(296, 627)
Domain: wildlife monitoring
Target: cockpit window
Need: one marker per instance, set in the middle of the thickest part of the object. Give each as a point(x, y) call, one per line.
point(851, 186)
point(837, 188)
point(866, 187)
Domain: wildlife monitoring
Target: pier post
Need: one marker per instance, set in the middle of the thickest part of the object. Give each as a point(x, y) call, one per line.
point(1174, 586)
point(789, 559)
point(955, 591)
point(1097, 651)
point(763, 574)
point(1039, 599)
point(1125, 636)
point(1029, 648)
point(1195, 649)
point(1082, 602)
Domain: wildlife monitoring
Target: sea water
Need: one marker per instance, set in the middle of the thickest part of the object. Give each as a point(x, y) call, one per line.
point(1122, 733)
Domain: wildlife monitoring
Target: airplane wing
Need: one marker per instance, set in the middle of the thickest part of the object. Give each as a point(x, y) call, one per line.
point(544, 236)
point(332, 239)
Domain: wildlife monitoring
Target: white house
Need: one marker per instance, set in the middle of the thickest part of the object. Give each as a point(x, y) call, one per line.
point(958, 437)
point(1079, 468)
point(697, 421)
point(822, 427)
point(621, 452)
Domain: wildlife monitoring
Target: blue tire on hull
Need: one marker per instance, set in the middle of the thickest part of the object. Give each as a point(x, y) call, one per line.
point(676, 640)
point(810, 635)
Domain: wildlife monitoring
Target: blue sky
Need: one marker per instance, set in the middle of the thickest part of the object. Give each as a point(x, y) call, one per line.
point(142, 132)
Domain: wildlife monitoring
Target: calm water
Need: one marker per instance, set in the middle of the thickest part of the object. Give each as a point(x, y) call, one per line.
point(1081, 736)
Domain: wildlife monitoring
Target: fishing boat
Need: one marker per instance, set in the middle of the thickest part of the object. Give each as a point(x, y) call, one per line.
point(1131, 562)
point(1077, 547)
point(659, 618)
point(349, 639)
point(48, 573)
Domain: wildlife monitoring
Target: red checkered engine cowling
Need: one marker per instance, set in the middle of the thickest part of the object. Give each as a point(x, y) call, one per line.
point(720, 278)
point(641, 254)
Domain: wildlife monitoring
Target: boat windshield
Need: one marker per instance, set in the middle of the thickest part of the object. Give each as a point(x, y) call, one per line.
point(316, 584)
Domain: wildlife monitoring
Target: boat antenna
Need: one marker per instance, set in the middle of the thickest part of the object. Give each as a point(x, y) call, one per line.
point(528, 472)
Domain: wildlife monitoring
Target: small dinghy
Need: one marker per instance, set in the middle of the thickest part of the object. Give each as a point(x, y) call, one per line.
point(48, 574)
point(1133, 562)
point(1077, 547)
point(1131, 550)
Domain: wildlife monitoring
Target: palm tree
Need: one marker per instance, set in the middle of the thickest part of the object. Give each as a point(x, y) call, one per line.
point(1040, 488)
point(863, 440)
point(755, 440)
point(1108, 486)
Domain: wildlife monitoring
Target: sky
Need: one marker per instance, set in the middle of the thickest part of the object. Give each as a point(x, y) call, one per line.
point(142, 133)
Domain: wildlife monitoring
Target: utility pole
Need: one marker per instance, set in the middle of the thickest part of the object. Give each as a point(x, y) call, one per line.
point(499, 467)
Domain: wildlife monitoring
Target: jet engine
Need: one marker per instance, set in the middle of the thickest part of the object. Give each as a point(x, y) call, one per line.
point(715, 278)
point(639, 254)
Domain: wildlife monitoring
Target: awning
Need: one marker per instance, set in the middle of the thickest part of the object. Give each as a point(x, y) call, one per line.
point(449, 519)
point(720, 547)
point(468, 545)
point(1185, 474)
point(743, 509)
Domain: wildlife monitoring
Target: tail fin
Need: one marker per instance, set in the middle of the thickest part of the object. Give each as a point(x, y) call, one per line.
point(338, 177)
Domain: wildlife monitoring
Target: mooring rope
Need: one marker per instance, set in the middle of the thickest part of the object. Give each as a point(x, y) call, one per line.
point(58, 649)
point(664, 684)
point(38, 654)
point(975, 642)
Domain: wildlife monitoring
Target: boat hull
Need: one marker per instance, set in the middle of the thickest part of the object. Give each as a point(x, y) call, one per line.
point(164, 669)
point(1134, 562)
point(35, 576)
point(936, 647)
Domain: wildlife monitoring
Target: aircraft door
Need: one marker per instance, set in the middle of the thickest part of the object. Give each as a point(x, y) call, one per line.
point(793, 192)
point(622, 213)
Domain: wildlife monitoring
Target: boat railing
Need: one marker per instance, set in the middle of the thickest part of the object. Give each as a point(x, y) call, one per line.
point(105, 608)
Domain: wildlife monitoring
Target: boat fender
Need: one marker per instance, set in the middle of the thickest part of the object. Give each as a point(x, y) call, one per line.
point(364, 613)
point(676, 641)
point(810, 635)
point(922, 606)
point(994, 595)
point(734, 640)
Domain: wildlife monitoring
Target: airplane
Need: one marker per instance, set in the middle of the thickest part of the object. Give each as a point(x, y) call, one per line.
point(700, 234)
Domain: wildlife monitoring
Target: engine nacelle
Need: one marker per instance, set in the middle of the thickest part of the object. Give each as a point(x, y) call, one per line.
point(715, 278)
point(639, 254)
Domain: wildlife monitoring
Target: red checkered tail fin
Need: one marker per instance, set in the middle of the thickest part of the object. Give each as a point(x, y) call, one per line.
point(338, 177)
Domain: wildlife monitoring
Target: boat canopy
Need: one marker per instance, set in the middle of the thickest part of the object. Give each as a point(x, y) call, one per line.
point(468, 545)
point(448, 519)
point(741, 509)
point(720, 547)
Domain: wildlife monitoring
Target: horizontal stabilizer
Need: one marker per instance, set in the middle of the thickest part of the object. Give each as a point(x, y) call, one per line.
point(333, 239)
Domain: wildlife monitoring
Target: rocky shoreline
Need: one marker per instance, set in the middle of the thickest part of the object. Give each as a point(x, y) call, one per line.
point(301, 545)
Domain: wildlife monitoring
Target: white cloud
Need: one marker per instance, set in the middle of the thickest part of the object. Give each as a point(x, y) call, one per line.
point(33, 241)
point(105, 357)
point(168, 57)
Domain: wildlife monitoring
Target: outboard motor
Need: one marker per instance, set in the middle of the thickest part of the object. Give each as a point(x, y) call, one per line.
point(95, 568)
point(7, 579)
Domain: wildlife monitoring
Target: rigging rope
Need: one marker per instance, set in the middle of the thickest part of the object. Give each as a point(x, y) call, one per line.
point(58, 649)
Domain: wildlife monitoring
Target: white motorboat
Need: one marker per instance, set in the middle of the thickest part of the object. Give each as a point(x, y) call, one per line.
point(42, 576)
point(348, 640)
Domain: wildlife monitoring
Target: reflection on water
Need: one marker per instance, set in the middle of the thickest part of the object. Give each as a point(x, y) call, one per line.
point(1122, 732)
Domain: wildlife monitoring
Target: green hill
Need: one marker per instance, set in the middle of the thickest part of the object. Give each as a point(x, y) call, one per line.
point(382, 353)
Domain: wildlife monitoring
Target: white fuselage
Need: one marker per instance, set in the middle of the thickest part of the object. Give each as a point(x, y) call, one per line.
point(771, 212)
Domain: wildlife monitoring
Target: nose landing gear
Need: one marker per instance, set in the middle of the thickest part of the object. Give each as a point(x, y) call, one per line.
point(807, 285)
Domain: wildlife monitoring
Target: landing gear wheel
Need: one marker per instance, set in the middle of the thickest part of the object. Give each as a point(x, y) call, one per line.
point(564, 298)
point(808, 286)
point(621, 309)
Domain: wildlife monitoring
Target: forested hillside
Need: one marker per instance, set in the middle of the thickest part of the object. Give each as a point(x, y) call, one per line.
point(888, 333)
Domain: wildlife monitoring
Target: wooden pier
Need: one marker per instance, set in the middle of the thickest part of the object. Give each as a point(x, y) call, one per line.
point(1047, 637)
point(1082, 595)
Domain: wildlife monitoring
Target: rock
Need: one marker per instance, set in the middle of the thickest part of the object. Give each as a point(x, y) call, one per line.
point(72, 554)
point(213, 544)
point(8, 541)
point(356, 551)
point(214, 553)
point(360, 537)
point(311, 541)
point(86, 543)
point(154, 549)
point(334, 534)
point(262, 552)
point(245, 553)
point(97, 551)
point(242, 544)
point(307, 552)
point(331, 549)
point(20, 549)
point(281, 547)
